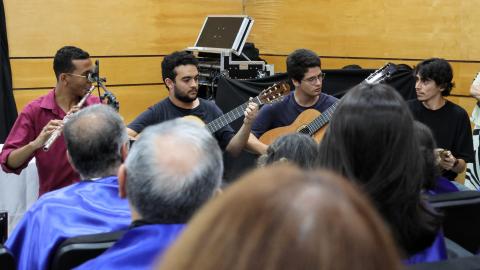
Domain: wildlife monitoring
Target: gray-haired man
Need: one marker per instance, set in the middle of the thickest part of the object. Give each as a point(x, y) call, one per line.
point(97, 144)
point(171, 171)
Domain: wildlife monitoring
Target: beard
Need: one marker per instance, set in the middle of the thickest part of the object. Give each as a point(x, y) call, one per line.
point(183, 97)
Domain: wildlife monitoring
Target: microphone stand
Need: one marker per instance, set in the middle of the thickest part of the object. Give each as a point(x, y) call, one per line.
point(110, 98)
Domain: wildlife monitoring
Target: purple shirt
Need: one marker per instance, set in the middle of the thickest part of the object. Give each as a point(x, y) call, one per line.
point(54, 170)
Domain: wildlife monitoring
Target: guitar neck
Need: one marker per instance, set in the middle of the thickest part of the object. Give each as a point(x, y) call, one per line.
point(231, 116)
point(326, 116)
point(320, 121)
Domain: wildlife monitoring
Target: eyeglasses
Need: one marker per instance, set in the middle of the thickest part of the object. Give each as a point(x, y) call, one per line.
point(78, 75)
point(313, 80)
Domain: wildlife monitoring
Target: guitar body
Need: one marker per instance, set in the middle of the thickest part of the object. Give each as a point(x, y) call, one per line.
point(194, 119)
point(300, 122)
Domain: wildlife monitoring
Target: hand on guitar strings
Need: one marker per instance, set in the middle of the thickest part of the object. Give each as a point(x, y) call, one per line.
point(250, 113)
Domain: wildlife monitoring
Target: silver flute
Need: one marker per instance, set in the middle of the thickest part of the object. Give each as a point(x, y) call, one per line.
point(57, 132)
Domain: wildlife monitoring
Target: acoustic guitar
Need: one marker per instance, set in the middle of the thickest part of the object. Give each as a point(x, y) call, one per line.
point(314, 123)
point(272, 94)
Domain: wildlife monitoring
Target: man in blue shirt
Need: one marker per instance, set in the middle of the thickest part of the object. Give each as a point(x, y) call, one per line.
point(97, 144)
point(170, 172)
point(304, 69)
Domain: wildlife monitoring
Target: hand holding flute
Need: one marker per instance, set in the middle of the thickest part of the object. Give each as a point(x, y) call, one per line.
point(54, 128)
point(47, 130)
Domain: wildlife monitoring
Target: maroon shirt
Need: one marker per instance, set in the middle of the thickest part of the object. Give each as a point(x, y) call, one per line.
point(54, 170)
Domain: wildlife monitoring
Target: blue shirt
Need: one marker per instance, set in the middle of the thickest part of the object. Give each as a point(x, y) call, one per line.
point(436, 252)
point(87, 207)
point(283, 113)
point(137, 249)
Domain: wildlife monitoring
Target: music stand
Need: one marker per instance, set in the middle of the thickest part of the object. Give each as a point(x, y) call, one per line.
point(223, 33)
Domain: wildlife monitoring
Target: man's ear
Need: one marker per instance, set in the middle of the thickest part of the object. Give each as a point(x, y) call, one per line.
point(443, 87)
point(169, 83)
point(122, 181)
point(62, 78)
point(295, 83)
point(69, 158)
point(124, 151)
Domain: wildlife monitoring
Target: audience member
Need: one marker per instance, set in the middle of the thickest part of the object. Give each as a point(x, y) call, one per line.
point(282, 217)
point(172, 169)
point(371, 141)
point(97, 144)
point(295, 148)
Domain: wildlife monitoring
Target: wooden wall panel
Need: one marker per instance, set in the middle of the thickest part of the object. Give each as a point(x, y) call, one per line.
point(38, 73)
point(368, 28)
point(136, 99)
point(403, 30)
point(109, 27)
point(129, 37)
point(362, 32)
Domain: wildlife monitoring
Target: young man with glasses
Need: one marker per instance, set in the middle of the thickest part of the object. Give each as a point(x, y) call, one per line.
point(304, 69)
point(43, 116)
point(449, 122)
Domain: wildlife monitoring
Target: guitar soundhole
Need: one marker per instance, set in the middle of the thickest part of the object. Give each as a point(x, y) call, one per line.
point(304, 130)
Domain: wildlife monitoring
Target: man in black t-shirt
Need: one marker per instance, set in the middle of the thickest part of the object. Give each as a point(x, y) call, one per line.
point(180, 74)
point(449, 122)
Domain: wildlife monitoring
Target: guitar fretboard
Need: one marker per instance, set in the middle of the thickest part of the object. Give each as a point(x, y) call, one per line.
point(378, 76)
point(231, 116)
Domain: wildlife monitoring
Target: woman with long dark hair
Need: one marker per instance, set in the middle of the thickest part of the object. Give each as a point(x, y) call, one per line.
point(371, 141)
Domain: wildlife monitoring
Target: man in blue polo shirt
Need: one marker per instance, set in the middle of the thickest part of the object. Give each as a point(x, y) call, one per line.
point(97, 144)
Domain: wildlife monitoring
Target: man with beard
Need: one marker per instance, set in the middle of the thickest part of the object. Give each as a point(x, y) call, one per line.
point(180, 75)
point(304, 69)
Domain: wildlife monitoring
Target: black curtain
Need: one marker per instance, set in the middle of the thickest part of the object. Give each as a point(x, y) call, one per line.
point(7, 102)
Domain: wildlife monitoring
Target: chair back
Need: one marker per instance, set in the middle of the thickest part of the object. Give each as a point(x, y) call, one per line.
point(7, 261)
point(461, 219)
point(466, 263)
point(74, 251)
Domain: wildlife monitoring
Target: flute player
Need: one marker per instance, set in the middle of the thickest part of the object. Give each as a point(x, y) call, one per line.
point(44, 115)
